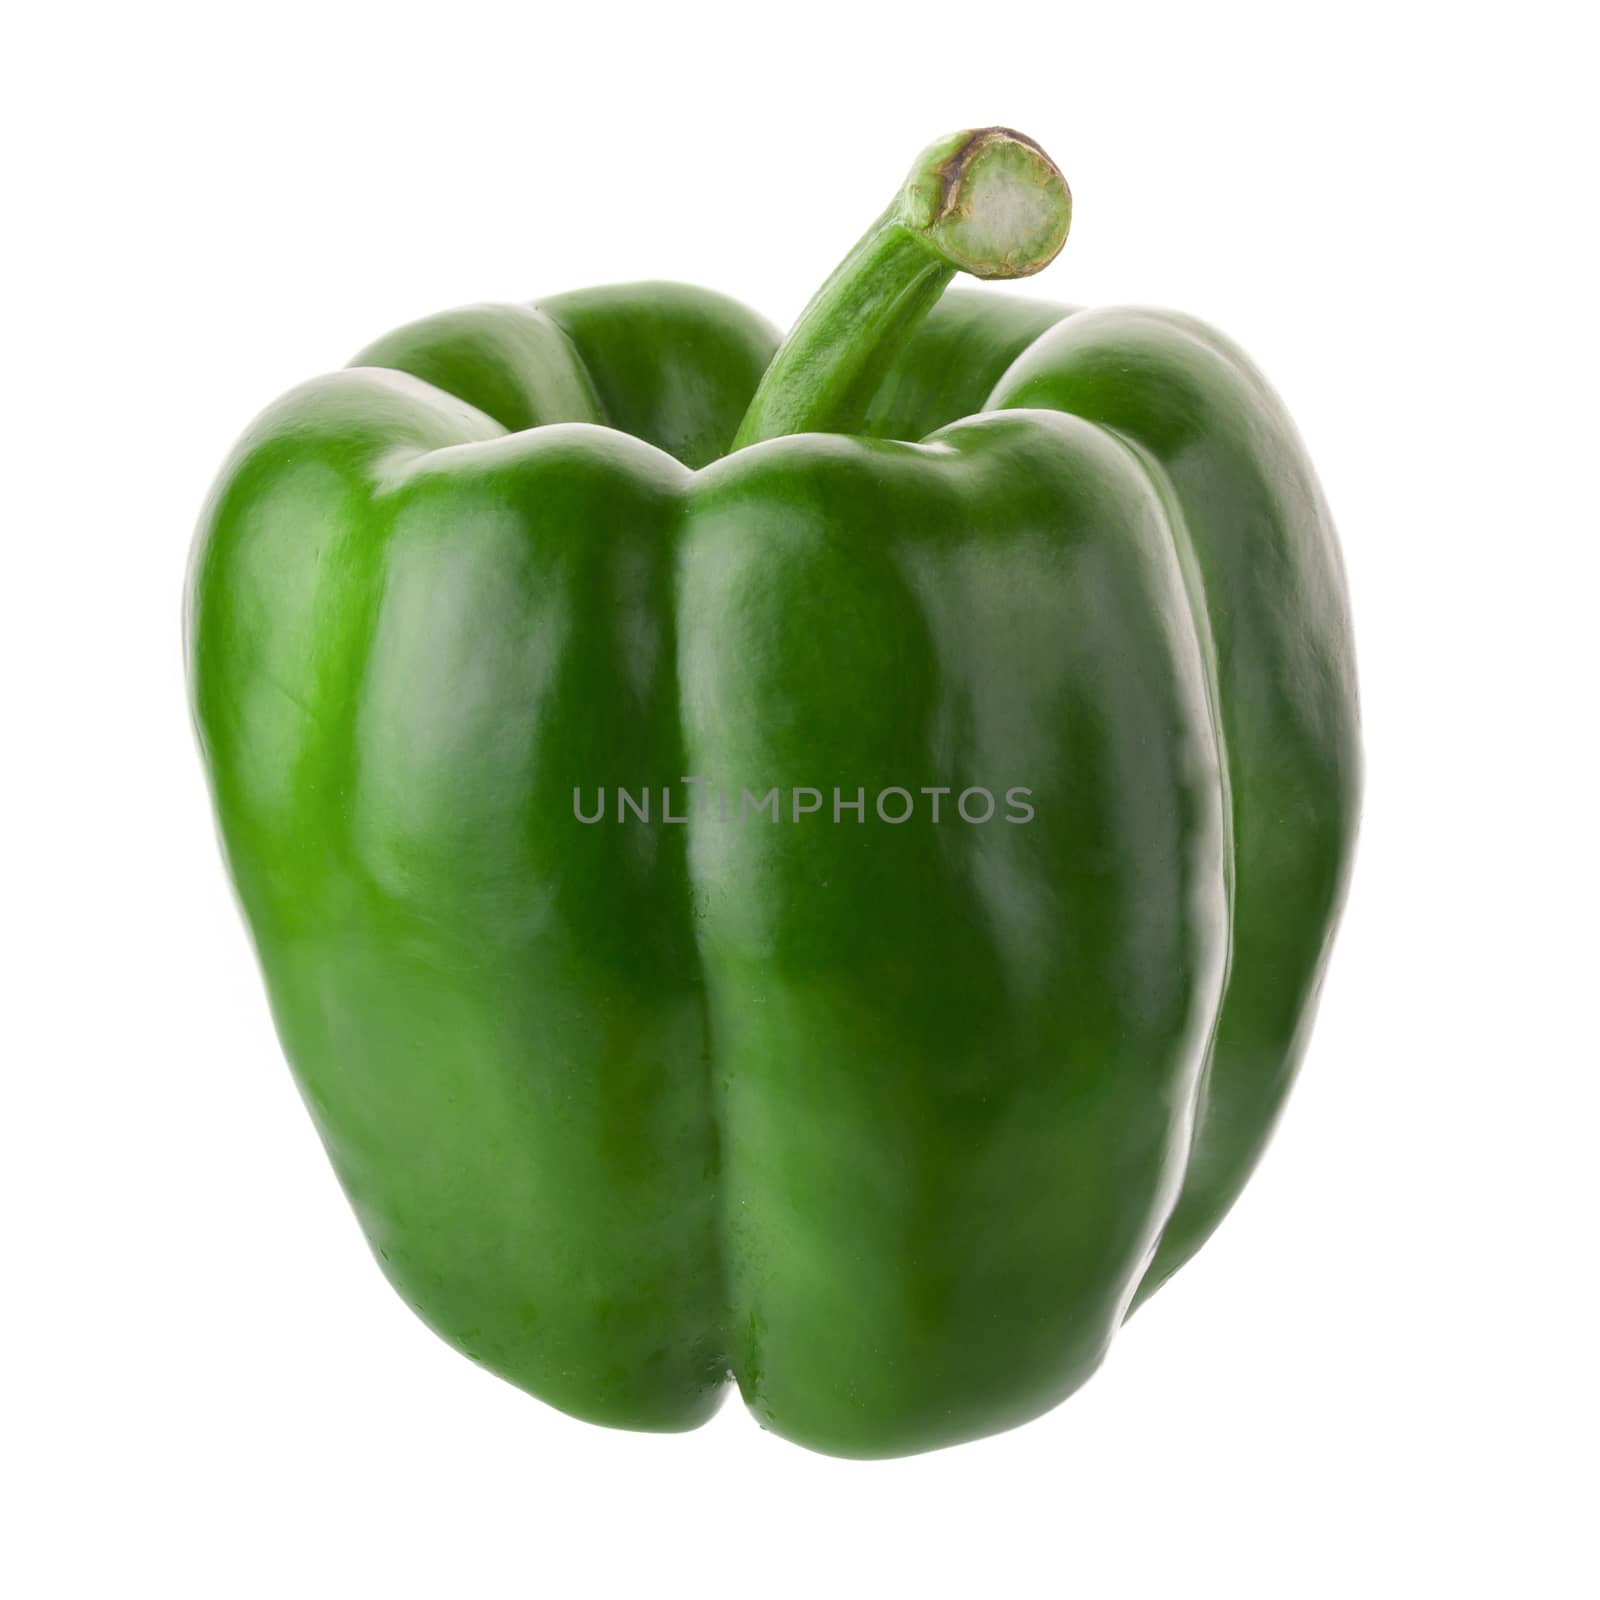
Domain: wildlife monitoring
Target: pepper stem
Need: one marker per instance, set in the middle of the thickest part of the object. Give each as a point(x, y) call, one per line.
point(988, 201)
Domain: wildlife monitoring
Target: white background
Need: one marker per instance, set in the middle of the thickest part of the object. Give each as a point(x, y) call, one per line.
point(1378, 1378)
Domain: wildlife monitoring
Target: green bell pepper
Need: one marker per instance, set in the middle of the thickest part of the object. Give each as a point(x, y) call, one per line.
point(745, 894)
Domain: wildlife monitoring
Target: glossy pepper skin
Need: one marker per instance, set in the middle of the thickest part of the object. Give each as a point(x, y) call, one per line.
point(892, 1122)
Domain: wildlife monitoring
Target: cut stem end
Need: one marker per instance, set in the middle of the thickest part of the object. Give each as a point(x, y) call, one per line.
point(989, 201)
